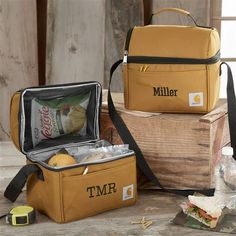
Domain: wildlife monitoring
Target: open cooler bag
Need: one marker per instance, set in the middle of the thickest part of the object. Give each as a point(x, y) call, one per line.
point(64, 119)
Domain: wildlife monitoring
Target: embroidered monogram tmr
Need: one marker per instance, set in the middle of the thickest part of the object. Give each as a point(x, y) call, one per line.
point(164, 91)
point(96, 191)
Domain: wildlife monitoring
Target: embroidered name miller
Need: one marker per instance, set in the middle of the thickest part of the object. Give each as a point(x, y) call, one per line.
point(164, 91)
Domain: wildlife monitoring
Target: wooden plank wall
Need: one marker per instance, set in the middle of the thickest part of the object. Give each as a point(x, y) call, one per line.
point(85, 37)
point(216, 6)
point(75, 41)
point(120, 16)
point(11, 160)
point(200, 10)
point(18, 53)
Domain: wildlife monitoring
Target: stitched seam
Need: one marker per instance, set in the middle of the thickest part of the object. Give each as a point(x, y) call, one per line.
point(127, 78)
point(207, 56)
point(61, 197)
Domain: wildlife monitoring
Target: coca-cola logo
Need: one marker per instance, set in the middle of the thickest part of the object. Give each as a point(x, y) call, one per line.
point(46, 122)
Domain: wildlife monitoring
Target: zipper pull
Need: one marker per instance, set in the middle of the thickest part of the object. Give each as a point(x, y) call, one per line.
point(125, 57)
point(85, 171)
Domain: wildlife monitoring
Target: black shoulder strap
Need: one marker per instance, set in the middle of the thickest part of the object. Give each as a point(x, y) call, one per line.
point(15, 187)
point(127, 137)
point(231, 101)
point(125, 133)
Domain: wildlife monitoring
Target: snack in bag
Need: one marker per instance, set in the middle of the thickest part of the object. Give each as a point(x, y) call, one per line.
point(57, 117)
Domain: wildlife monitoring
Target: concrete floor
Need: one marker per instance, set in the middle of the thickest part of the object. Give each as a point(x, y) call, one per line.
point(158, 207)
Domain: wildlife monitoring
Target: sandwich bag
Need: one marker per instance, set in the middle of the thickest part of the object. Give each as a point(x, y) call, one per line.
point(64, 119)
point(171, 68)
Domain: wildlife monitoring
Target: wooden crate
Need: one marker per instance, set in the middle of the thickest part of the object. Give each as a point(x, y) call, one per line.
point(181, 149)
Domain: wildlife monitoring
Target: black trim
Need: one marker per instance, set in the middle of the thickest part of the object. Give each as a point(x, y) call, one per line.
point(59, 91)
point(46, 86)
point(128, 37)
point(172, 60)
point(58, 85)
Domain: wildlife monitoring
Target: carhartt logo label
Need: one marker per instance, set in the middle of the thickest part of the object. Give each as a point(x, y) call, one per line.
point(164, 91)
point(196, 99)
point(100, 190)
point(128, 192)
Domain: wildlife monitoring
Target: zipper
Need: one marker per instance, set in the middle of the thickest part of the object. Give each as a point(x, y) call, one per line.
point(125, 59)
point(128, 37)
point(127, 41)
point(163, 60)
point(171, 60)
point(86, 164)
point(58, 85)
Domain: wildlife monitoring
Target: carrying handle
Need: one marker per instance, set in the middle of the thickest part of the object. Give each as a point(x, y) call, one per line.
point(177, 10)
point(15, 187)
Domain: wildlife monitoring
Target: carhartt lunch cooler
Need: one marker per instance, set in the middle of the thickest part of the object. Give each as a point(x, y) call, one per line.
point(171, 68)
point(56, 119)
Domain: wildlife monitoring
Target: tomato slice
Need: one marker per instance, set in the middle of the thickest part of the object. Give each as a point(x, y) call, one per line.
point(205, 215)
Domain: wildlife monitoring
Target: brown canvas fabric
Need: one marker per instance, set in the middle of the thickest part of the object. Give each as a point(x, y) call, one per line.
point(69, 194)
point(157, 87)
point(14, 124)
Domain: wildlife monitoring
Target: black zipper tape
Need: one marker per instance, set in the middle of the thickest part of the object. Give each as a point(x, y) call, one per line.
point(128, 37)
point(172, 60)
point(77, 165)
point(166, 60)
point(58, 85)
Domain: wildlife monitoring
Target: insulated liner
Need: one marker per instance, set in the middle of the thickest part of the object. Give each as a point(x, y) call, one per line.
point(60, 92)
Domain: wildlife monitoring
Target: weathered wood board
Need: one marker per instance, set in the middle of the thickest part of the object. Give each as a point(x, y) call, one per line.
point(75, 41)
point(11, 160)
point(181, 149)
point(199, 9)
point(120, 17)
point(18, 53)
point(85, 37)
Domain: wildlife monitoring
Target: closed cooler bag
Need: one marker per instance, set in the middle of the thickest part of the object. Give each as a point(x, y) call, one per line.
point(65, 118)
point(171, 68)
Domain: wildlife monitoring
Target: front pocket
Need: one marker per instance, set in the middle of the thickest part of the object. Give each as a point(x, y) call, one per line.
point(167, 88)
point(90, 194)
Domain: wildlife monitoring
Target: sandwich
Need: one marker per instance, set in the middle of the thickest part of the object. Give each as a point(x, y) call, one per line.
point(204, 209)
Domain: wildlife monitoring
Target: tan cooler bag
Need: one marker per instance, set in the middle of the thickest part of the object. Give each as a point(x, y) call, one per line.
point(171, 68)
point(64, 119)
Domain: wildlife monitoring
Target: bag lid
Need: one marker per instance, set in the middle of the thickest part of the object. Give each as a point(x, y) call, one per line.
point(59, 115)
point(173, 41)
